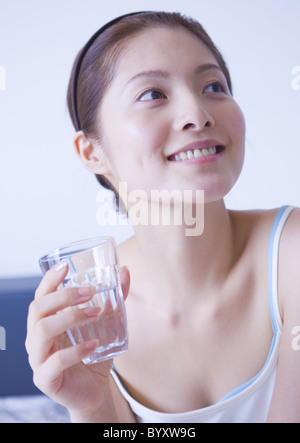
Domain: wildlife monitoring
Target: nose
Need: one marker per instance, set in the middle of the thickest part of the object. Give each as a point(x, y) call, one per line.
point(192, 114)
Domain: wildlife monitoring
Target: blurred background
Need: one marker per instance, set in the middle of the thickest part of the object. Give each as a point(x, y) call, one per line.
point(47, 198)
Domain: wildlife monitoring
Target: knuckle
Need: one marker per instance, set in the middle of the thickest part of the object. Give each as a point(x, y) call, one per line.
point(27, 347)
point(60, 358)
point(30, 360)
point(70, 295)
point(75, 315)
point(27, 344)
point(32, 311)
point(42, 328)
point(69, 356)
point(37, 293)
point(35, 311)
point(37, 380)
point(39, 290)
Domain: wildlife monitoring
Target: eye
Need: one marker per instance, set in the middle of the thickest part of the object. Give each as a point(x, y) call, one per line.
point(215, 87)
point(151, 94)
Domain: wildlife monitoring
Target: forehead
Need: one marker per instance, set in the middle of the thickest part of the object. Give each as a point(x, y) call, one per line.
point(163, 48)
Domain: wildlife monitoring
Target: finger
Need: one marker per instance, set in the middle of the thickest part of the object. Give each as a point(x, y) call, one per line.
point(51, 303)
point(52, 279)
point(41, 342)
point(46, 376)
point(125, 281)
point(53, 326)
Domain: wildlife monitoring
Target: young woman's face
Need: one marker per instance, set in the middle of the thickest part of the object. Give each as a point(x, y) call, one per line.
point(168, 120)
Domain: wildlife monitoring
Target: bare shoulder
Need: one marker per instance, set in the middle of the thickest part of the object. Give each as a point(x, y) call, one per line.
point(291, 232)
point(285, 406)
point(289, 263)
point(255, 226)
point(254, 218)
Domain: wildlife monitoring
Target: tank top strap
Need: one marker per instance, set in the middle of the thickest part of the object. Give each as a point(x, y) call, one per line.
point(273, 255)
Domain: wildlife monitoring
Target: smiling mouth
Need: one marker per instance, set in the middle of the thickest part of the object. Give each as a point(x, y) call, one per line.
point(196, 153)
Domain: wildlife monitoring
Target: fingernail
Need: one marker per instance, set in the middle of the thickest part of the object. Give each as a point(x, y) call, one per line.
point(92, 311)
point(85, 291)
point(60, 267)
point(91, 345)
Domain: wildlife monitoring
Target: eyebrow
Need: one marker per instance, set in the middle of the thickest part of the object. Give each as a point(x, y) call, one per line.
point(150, 73)
point(163, 74)
point(207, 67)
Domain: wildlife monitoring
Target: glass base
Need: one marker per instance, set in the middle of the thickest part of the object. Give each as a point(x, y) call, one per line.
point(102, 354)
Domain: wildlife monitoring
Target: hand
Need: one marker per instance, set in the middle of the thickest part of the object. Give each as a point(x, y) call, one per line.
point(57, 366)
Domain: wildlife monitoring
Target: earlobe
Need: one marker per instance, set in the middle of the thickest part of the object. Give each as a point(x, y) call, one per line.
point(89, 154)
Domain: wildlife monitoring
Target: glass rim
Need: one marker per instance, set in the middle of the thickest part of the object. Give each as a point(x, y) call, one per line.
point(68, 249)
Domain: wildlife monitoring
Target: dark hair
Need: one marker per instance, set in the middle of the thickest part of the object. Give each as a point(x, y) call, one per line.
point(94, 67)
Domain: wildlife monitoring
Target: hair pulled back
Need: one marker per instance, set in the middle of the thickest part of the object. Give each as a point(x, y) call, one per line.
point(95, 65)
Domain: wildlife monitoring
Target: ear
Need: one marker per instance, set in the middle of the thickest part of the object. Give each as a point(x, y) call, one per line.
point(90, 154)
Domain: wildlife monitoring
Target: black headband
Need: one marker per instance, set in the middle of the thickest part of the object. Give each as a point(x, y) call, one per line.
point(81, 57)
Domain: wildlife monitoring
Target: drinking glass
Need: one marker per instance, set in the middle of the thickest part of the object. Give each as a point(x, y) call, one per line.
point(94, 262)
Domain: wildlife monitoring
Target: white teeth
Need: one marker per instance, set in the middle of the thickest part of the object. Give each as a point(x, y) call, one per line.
point(195, 153)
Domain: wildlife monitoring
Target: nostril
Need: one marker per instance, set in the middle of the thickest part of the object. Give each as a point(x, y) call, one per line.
point(193, 125)
point(189, 125)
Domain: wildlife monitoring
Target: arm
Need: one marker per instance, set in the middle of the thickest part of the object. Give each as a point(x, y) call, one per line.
point(285, 405)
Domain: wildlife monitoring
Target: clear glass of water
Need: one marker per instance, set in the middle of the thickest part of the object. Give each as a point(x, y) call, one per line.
point(94, 262)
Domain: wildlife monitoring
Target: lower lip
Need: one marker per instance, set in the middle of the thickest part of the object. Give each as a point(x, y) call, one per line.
point(200, 160)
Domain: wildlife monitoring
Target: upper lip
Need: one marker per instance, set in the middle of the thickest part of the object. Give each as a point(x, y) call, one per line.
point(201, 144)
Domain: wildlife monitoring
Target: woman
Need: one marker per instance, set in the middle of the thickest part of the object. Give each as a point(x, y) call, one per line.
point(211, 318)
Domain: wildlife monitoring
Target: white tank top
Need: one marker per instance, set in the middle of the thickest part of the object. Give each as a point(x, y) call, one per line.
point(250, 402)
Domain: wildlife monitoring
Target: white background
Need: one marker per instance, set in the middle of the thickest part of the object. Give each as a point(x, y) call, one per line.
point(47, 198)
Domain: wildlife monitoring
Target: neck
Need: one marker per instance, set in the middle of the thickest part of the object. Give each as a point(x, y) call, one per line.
point(180, 264)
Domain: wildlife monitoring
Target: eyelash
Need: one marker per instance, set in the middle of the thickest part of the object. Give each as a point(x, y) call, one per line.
point(163, 96)
point(148, 91)
point(220, 84)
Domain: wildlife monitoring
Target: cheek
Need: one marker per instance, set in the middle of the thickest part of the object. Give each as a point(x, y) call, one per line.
point(234, 125)
point(135, 137)
point(132, 143)
point(144, 132)
point(235, 122)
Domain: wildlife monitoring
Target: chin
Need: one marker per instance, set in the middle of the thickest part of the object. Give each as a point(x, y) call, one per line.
point(217, 191)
